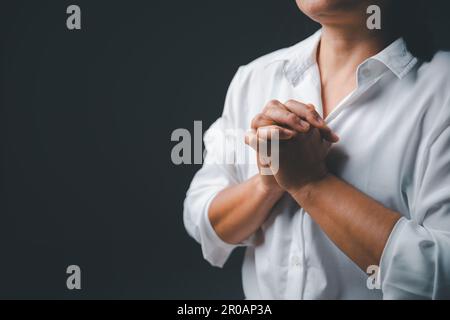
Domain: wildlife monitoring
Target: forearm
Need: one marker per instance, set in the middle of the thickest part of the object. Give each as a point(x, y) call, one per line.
point(238, 211)
point(357, 224)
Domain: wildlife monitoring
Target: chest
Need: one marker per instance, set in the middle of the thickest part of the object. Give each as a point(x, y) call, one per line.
point(334, 91)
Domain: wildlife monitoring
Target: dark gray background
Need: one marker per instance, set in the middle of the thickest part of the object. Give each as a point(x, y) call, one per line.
point(86, 123)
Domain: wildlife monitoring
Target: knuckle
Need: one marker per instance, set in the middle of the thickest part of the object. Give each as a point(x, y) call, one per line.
point(311, 115)
point(256, 120)
point(290, 102)
point(310, 108)
point(303, 130)
point(292, 117)
point(272, 103)
point(269, 106)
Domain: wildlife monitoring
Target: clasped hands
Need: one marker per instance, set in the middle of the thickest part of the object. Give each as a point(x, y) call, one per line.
point(303, 143)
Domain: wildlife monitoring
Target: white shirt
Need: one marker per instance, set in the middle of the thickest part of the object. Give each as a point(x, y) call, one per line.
point(394, 146)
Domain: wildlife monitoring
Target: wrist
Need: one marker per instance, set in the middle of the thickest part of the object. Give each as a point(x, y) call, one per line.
point(268, 190)
point(305, 193)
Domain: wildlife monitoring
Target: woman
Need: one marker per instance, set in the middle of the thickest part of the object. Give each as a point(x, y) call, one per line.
point(364, 166)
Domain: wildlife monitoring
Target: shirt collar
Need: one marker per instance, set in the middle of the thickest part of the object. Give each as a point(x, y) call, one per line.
point(302, 56)
point(397, 58)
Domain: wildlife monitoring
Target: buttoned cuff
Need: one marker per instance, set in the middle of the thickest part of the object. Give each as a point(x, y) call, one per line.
point(389, 250)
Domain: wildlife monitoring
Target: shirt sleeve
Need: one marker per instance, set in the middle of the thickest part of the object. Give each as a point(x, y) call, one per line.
point(217, 173)
point(416, 260)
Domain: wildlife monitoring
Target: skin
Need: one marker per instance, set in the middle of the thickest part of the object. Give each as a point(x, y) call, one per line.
point(356, 223)
point(238, 211)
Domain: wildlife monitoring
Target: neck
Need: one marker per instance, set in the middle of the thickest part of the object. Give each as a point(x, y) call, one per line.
point(342, 49)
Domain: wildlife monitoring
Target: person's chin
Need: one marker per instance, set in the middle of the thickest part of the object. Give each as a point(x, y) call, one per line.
point(317, 9)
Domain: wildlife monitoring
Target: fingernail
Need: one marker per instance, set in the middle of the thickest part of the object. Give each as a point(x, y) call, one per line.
point(289, 133)
point(304, 124)
point(319, 119)
point(335, 136)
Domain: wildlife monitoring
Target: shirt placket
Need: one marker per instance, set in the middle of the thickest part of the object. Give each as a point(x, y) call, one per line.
point(296, 262)
point(298, 271)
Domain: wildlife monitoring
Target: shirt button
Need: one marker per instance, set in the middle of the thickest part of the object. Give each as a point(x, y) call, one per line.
point(366, 72)
point(296, 262)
